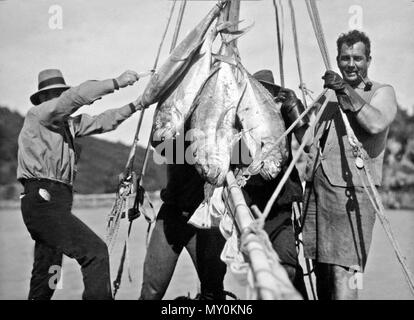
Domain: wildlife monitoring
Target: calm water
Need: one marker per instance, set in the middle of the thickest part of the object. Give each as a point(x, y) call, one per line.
point(383, 278)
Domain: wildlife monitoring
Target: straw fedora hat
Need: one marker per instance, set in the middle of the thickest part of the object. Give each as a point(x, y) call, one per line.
point(49, 79)
point(265, 77)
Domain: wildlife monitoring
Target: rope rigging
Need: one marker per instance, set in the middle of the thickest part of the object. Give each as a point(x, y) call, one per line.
point(297, 208)
point(279, 41)
point(302, 85)
point(117, 209)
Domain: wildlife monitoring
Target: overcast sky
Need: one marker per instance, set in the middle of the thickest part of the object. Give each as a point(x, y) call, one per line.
point(100, 39)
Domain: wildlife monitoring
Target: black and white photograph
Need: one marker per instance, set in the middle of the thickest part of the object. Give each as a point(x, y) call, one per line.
point(213, 150)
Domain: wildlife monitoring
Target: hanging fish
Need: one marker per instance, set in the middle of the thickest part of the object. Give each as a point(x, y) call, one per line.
point(173, 111)
point(213, 123)
point(177, 105)
point(262, 123)
point(179, 58)
point(213, 134)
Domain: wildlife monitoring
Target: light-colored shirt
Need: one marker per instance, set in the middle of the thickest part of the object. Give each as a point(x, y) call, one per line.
point(46, 148)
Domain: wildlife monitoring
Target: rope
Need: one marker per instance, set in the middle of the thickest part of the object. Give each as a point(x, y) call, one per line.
point(117, 281)
point(163, 36)
point(279, 45)
point(284, 289)
point(114, 217)
point(178, 25)
point(317, 28)
point(302, 85)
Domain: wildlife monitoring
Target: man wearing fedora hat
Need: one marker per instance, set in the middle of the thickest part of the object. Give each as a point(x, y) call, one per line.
point(258, 191)
point(47, 167)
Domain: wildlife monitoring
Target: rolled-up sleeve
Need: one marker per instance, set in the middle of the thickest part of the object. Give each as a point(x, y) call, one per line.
point(109, 120)
point(58, 110)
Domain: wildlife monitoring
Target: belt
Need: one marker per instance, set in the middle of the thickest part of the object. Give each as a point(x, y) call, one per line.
point(28, 183)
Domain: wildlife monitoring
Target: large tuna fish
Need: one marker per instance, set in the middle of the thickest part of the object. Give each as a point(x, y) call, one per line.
point(213, 122)
point(179, 59)
point(173, 111)
point(262, 124)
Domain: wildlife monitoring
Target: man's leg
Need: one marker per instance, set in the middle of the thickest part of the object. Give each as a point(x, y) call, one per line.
point(47, 262)
point(279, 227)
point(52, 224)
point(168, 238)
point(209, 244)
point(76, 240)
point(335, 282)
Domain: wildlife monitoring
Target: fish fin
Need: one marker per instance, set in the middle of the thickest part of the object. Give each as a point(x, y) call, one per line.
point(208, 191)
point(222, 116)
point(240, 134)
point(190, 54)
point(241, 97)
point(198, 95)
point(238, 121)
point(266, 174)
point(228, 50)
point(224, 26)
point(201, 55)
point(234, 35)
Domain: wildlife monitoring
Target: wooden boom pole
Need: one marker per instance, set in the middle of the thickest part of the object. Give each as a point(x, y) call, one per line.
point(270, 285)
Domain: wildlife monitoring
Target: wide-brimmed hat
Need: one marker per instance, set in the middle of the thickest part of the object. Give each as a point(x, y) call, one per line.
point(49, 79)
point(265, 77)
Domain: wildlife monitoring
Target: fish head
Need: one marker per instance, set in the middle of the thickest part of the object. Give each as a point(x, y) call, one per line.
point(212, 166)
point(270, 169)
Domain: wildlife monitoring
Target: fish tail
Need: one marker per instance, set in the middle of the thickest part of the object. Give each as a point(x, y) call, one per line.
point(225, 26)
point(270, 170)
point(231, 36)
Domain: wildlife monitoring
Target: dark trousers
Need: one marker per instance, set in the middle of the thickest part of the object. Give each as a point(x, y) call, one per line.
point(334, 282)
point(279, 227)
point(170, 235)
point(57, 231)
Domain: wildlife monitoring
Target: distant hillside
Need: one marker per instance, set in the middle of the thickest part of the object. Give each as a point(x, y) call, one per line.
point(10, 125)
point(101, 162)
point(98, 168)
